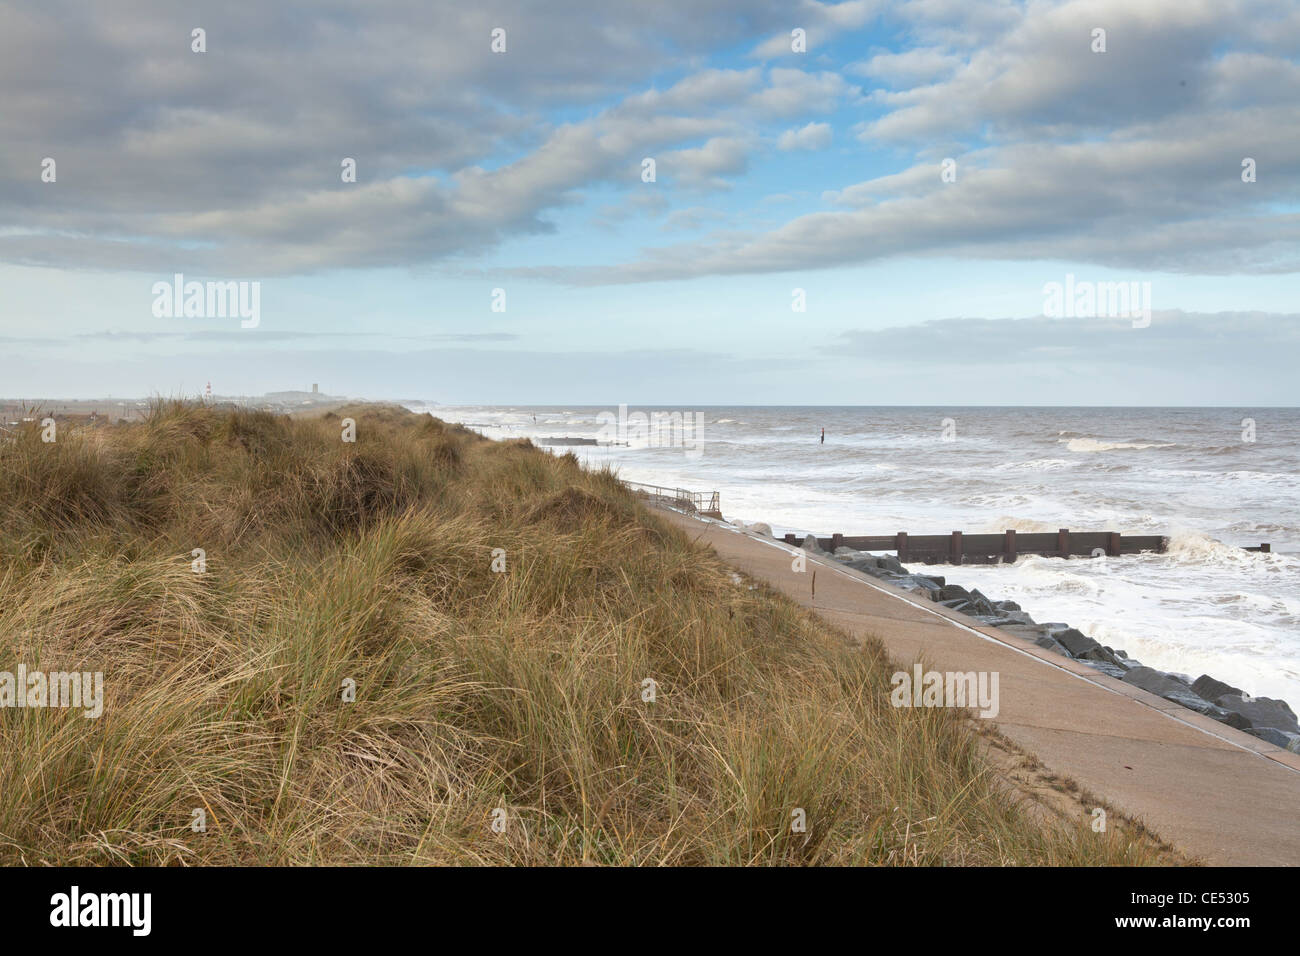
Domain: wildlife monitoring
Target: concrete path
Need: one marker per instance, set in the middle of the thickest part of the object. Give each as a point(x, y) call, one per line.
point(1222, 796)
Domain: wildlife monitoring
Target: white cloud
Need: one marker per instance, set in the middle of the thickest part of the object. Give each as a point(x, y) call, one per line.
point(455, 146)
point(1165, 196)
point(1130, 157)
point(820, 23)
point(707, 165)
point(795, 93)
point(909, 68)
point(812, 136)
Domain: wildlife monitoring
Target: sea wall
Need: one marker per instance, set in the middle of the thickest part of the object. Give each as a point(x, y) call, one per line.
point(1263, 717)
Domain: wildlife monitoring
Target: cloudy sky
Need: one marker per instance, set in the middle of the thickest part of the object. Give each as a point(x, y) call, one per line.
point(858, 202)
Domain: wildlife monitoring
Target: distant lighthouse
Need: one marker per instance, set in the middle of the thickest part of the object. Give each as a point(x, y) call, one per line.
point(207, 393)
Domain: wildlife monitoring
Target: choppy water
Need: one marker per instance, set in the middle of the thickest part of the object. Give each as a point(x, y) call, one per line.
point(1205, 606)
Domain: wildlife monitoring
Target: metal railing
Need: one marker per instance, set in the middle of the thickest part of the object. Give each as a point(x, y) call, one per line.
point(704, 502)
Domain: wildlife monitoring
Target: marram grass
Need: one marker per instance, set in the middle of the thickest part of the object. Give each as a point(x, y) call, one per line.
point(499, 717)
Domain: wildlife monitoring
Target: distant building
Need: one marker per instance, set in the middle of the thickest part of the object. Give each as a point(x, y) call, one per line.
point(315, 389)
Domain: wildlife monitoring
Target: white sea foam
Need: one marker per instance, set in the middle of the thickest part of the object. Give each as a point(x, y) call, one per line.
point(1037, 464)
point(1093, 444)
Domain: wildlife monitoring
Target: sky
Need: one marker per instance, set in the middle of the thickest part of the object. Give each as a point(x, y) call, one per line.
point(679, 202)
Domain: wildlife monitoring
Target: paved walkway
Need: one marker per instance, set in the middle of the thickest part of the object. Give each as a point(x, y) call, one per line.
point(1221, 795)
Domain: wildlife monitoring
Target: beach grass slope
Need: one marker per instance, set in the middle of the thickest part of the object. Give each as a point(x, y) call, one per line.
point(544, 672)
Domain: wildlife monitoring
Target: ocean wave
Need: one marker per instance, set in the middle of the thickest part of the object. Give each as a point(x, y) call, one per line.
point(1201, 549)
point(1092, 445)
point(1200, 477)
point(1037, 464)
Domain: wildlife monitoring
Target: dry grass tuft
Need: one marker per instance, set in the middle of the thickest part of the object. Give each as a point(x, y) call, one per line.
point(370, 565)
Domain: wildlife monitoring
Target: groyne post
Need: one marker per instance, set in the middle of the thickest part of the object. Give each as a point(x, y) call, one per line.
point(1063, 542)
point(954, 548)
point(1009, 545)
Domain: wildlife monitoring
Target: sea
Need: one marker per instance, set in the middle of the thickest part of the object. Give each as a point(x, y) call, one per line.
point(1212, 479)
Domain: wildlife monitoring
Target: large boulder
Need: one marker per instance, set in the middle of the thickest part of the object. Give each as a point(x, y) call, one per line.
point(1173, 690)
point(867, 564)
point(1034, 633)
point(1157, 682)
point(1212, 689)
point(888, 562)
point(1075, 641)
point(1049, 643)
point(1106, 655)
point(950, 592)
point(1279, 738)
point(980, 604)
point(1262, 711)
point(810, 544)
point(1106, 667)
point(1029, 632)
point(1004, 618)
point(761, 527)
point(1213, 710)
point(919, 582)
point(882, 568)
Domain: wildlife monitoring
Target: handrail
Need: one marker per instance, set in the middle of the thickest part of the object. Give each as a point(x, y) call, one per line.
point(701, 501)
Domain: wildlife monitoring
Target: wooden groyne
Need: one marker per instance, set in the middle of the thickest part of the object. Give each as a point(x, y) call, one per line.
point(959, 548)
point(956, 547)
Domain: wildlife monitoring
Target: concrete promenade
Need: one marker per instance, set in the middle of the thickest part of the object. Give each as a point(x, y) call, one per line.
point(1220, 795)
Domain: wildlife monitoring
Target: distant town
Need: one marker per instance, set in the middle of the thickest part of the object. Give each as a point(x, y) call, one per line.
point(111, 409)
